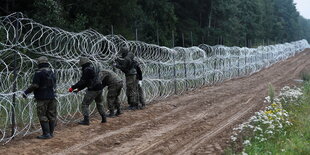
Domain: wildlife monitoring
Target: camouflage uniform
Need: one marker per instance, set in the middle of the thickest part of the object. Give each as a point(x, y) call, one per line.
point(90, 80)
point(47, 110)
point(132, 90)
point(115, 85)
point(43, 87)
point(126, 65)
point(89, 97)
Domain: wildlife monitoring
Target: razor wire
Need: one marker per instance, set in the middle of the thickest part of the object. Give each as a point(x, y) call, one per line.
point(166, 71)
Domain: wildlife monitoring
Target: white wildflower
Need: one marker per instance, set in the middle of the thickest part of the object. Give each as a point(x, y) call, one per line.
point(243, 153)
point(246, 142)
point(233, 138)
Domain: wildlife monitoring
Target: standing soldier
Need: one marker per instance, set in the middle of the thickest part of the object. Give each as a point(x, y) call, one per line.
point(94, 90)
point(43, 86)
point(115, 85)
point(126, 65)
point(141, 99)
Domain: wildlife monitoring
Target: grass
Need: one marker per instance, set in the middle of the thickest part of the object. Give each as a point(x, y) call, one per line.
point(305, 73)
point(292, 140)
point(295, 141)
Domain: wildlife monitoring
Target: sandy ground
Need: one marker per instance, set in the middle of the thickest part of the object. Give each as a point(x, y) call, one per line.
point(197, 122)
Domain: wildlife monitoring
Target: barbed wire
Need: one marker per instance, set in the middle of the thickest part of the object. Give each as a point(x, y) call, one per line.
point(167, 71)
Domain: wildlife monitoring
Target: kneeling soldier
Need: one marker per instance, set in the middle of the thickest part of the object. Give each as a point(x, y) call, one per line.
point(115, 85)
point(43, 86)
point(90, 80)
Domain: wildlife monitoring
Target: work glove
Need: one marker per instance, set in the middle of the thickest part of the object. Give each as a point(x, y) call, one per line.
point(70, 90)
point(76, 90)
point(140, 83)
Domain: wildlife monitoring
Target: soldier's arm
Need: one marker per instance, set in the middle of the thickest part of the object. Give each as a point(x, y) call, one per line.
point(129, 59)
point(121, 64)
point(139, 72)
point(87, 75)
point(54, 81)
point(35, 83)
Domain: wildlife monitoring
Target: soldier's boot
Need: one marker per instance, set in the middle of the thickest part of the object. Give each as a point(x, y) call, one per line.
point(52, 127)
point(142, 106)
point(111, 113)
point(85, 121)
point(118, 111)
point(103, 118)
point(46, 131)
point(142, 103)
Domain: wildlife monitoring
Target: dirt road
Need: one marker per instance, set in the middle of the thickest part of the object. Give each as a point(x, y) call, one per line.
point(198, 122)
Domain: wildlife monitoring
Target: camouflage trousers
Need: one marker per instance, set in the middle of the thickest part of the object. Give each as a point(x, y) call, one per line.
point(132, 90)
point(113, 96)
point(47, 110)
point(89, 97)
point(141, 96)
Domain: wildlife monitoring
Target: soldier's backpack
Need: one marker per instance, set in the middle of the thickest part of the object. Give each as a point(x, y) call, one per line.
point(96, 80)
point(49, 80)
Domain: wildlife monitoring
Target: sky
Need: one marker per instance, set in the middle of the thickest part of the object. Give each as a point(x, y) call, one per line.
point(303, 6)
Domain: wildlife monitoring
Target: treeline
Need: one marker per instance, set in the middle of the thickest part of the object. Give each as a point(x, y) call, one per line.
point(228, 22)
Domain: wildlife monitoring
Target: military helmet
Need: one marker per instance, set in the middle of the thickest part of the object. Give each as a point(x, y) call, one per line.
point(124, 51)
point(42, 60)
point(124, 48)
point(83, 60)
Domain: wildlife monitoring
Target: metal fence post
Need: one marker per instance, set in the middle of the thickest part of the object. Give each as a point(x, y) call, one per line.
point(136, 34)
point(245, 64)
point(185, 71)
point(174, 67)
point(14, 82)
point(14, 95)
point(204, 74)
point(214, 71)
point(224, 68)
point(192, 42)
point(159, 77)
point(174, 75)
point(194, 75)
point(238, 66)
point(112, 30)
point(157, 35)
point(183, 43)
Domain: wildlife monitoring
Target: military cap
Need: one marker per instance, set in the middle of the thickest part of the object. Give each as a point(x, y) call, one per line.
point(42, 60)
point(83, 60)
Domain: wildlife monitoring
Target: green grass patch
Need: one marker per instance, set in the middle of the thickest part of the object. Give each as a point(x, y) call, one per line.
point(295, 139)
point(291, 140)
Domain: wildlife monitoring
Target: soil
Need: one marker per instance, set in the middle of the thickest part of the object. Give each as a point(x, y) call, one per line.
point(196, 122)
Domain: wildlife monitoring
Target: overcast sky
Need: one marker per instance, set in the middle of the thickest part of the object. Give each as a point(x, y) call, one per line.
point(303, 6)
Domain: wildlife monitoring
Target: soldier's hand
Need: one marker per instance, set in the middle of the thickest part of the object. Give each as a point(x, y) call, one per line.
point(140, 83)
point(24, 95)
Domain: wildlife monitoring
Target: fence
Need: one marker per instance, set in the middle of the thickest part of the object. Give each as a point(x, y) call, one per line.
point(167, 71)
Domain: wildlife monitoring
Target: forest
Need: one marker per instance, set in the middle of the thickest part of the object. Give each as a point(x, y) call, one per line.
point(247, 23)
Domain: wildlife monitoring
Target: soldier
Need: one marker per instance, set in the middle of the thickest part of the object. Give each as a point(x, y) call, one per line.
point(126, 65)
point(115, 85)
point(94, 90)
point(141, 99)
point(43, 86)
